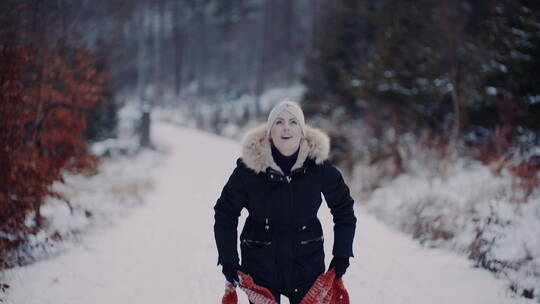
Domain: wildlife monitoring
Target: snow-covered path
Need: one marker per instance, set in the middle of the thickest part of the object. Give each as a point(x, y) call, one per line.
point(164, 251)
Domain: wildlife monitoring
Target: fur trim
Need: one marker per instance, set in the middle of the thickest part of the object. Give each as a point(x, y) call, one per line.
point(257, 151)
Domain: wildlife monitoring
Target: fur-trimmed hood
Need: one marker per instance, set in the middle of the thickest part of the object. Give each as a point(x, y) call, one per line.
point(257, 151)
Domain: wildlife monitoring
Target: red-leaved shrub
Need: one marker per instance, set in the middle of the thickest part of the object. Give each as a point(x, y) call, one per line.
point(46, 86)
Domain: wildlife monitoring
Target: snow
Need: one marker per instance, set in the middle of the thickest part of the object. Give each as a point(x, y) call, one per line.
point(468, 210)
point(164, 252)
point(95, 200)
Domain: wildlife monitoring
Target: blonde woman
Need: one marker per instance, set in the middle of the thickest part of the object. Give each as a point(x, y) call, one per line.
point(279, 179)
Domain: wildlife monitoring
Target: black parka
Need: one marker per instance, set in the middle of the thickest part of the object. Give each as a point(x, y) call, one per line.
point(282, 240)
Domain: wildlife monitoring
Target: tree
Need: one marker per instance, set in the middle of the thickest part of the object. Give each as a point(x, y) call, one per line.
point(47, 85)
point(400, 67)
point(102, 117)
point(342, 42)
point(514, 74)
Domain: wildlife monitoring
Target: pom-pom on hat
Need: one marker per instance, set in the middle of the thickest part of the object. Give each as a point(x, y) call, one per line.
point(289, 106)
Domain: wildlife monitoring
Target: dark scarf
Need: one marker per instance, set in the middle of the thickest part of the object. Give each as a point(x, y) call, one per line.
point(284, 162)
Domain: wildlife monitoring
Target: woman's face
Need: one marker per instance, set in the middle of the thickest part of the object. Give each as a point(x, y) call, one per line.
point(286, 133)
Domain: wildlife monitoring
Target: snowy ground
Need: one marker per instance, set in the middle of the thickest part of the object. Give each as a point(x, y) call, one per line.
point(164, 252)
point(464, 207)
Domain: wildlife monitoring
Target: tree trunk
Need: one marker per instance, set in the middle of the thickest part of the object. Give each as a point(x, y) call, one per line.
point(178, 48)
point(145, 130)
point(289, 40)
point(141, 54)
point(259, 59)
point(40, 30)
point(157, 53)
point(456, 102)
point(397, 159)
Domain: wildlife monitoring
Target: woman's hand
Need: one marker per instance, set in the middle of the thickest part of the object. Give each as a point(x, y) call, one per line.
point(230, 272)
point(340, 265)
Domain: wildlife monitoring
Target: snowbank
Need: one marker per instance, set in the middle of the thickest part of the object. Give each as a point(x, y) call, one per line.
point(93, 202)
point(466, 209)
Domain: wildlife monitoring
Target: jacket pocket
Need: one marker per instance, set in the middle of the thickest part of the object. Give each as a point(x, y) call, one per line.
point(309, 240)
point(310, 248)
point(255, 243)
point(313, 240)
point(310, 259)
point(256, 249)
point(258, 259)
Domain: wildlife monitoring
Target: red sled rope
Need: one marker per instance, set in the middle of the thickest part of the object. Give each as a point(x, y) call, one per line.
point(327, 289)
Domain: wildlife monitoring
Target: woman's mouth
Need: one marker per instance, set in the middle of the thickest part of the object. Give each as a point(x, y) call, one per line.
point(286, 137)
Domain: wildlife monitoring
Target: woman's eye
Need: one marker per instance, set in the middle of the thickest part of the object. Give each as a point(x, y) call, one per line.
point(293, 122)
point(279, 122)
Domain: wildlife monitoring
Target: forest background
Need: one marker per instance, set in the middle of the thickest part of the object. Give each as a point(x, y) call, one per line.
point(394, 83)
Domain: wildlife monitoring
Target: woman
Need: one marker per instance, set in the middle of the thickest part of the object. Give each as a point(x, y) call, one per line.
point(279, 179)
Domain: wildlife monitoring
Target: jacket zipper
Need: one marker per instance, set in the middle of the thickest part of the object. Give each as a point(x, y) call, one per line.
point(321, 238)
point(250, 242)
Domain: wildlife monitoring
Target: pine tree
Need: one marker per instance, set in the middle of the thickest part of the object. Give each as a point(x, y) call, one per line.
point(342, 41)
point(514, 75)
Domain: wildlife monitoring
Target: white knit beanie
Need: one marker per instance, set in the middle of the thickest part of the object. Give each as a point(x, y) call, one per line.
point(289, 106)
